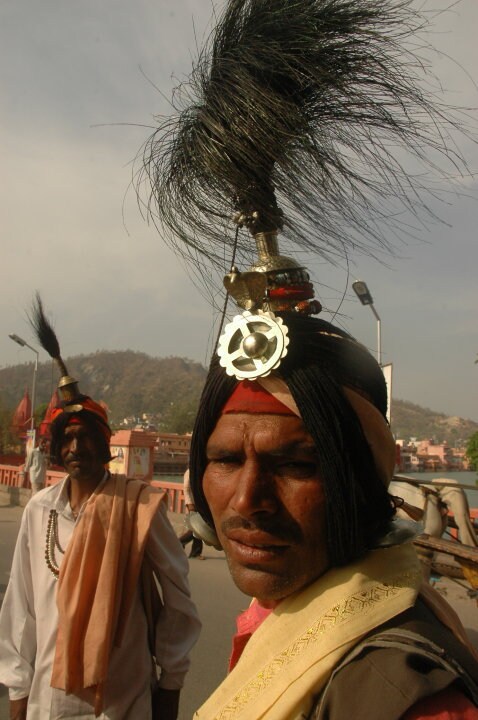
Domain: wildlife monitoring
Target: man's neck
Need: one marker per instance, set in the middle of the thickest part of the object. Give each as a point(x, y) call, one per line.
point(80, 490)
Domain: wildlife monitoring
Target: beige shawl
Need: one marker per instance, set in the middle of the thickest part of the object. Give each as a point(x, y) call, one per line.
point(98, 579)
point(291, 655)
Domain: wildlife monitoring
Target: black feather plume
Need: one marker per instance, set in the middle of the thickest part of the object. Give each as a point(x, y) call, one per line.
point(299, 110)
point(45, 334)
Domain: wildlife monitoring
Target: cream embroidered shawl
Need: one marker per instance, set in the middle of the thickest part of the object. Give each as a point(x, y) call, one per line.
point(292, 654)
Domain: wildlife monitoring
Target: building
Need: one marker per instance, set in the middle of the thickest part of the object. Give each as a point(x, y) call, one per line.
point(428, 455)
point(171, 453)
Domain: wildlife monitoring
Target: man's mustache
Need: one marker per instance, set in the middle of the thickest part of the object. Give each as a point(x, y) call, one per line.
point(284, 529)
point(74, 458)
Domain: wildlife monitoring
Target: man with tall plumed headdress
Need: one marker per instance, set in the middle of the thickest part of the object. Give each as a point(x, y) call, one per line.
point(83, 630)
point(300, 111)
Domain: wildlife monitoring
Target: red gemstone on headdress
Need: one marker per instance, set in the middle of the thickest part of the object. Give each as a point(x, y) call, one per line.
point(304, 291)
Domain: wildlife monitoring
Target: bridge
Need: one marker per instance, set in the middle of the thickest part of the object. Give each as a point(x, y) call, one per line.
point(13, 479)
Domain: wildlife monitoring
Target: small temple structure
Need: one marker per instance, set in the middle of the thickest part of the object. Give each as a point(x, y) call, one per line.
point(22, 416)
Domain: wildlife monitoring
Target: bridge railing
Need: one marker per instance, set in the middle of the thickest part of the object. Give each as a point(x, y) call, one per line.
point(14, 476)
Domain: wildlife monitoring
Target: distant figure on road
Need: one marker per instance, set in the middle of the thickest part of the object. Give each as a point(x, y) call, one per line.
point(82, 628)
point(188, 536)
point(36, 465)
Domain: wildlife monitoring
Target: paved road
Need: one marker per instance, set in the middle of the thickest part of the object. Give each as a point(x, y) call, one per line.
point(217, 598)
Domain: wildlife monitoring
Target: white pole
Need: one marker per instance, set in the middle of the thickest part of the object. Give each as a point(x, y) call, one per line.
point(379, 338)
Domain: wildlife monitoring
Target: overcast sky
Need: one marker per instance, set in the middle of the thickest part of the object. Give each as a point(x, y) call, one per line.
point(80, 80)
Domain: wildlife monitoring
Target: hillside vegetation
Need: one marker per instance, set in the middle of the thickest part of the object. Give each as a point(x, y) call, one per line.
point(132, 383)
point(410, 420)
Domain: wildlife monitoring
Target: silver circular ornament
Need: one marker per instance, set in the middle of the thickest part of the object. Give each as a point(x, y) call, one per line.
point(253, 344)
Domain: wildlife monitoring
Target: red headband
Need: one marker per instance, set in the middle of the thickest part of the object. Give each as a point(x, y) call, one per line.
point(93, 407)
point(250, 397)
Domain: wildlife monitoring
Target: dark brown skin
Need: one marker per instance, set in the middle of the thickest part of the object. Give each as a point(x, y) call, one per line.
point(18, 709)
point(81, 459)
point(266, 497)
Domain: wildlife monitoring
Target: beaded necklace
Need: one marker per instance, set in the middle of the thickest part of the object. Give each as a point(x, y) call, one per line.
point(52, 542)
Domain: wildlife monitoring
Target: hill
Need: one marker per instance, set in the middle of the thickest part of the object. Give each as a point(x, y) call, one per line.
point(132, 383)
point(410, 420)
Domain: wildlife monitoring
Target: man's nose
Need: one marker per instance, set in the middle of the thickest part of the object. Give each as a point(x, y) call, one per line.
point(254, 490)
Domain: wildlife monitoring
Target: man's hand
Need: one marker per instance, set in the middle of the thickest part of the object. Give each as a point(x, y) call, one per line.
point(165, 704)
point(18, 709)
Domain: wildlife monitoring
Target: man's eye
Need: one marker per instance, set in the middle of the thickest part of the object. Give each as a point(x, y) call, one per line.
point(225, 461)
point(297, 469)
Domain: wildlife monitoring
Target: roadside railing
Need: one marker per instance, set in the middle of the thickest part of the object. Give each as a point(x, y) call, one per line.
point(14, 476)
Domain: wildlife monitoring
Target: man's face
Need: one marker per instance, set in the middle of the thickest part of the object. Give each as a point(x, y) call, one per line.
point(266, 497)
point(80, 454)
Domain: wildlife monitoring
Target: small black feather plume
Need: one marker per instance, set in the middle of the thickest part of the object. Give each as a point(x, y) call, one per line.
point(45, 334)
point(301, 110)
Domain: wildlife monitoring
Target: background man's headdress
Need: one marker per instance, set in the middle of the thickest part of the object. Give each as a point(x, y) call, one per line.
point(73, 403)
point(47, 338)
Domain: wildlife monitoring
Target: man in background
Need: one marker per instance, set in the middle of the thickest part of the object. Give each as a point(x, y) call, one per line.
point(36, 465)
point(84, 630)
point(188, 536)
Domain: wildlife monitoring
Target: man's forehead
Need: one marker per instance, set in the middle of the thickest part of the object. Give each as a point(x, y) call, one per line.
point(282, 431)
point(76, 427)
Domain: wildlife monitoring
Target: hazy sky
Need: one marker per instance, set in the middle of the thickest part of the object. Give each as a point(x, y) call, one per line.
point(80, 80)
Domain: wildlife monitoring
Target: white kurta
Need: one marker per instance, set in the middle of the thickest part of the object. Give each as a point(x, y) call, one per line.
point(29, 621)
point(36, 465)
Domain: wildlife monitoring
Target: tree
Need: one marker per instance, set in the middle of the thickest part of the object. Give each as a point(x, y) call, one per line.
point(472, 451)
point(179, 416)
point(39, 413)
point(6, 437)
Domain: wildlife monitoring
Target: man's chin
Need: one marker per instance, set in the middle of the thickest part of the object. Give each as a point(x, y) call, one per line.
point(267, 587)
point(77, 472)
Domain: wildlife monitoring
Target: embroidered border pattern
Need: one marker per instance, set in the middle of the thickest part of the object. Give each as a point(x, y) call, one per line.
point(339, 614)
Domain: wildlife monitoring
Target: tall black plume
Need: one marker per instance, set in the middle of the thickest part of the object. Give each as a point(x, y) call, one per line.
point(45, 334)
point(299, 111)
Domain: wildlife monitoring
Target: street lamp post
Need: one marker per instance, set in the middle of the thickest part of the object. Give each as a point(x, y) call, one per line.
point(365, 297)
point(23, 343)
